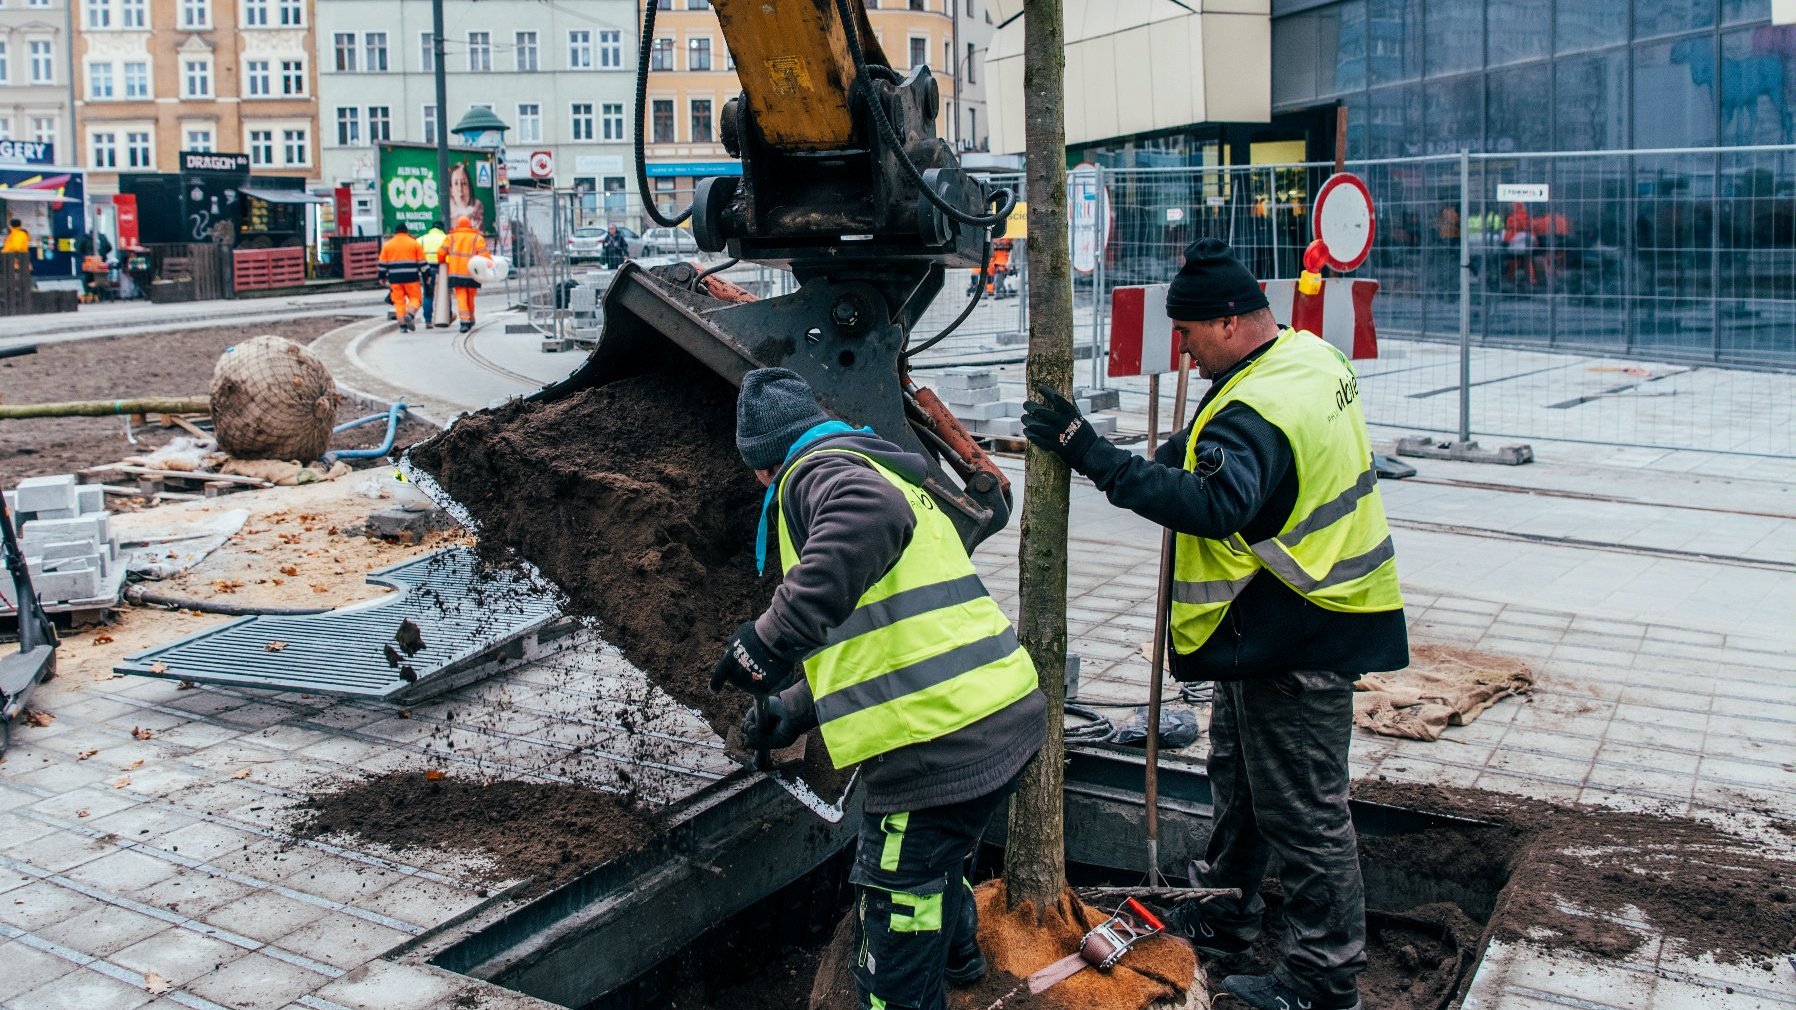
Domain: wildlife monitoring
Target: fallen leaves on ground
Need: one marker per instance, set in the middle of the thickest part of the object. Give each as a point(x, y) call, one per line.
point(81, 813)
point(433, 775)
point(241, 773)
point(185, 685)
point(141, 733)
point(227, 585)
point(133, 766)
point(275, 646)
point(84, 755)
point(156, 984)
point(121, 782)
point(319, 587)
point(40, 719)
point(102, 639)
point(158, 667)
point(290, 571)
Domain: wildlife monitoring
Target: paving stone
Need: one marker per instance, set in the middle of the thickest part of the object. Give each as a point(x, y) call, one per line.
point(256, 982)
point(387, 985)
point(123, 872)
point(57, 852)
point(264, 915)
point(205, 841)
point(27, 968)
point(193, 892)
point(179, 955)
point(343, 940)
point(104, 930)
point(82, 989)
point(420, 901)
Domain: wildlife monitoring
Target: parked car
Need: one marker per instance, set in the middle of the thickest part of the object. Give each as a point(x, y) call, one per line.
point(668, 242)
point(585, 244)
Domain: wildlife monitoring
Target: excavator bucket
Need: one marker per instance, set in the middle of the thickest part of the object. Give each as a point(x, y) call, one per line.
point(842, 336)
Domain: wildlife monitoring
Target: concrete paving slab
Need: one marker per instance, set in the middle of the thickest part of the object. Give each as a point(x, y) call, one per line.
point(343, 940)
point(82, 990)
point(179, 955)
point(27, 967)
point(256, 981)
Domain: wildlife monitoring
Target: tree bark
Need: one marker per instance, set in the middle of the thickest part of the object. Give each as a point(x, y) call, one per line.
point(107, 408)
point(1035, 859)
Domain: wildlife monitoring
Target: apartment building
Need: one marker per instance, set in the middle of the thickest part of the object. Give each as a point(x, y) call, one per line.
point(561, 76)
point(693, 74)
point(34, 76)
point(153, 78)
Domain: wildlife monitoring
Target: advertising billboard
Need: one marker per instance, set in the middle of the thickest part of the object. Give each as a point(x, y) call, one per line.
point(408, 187)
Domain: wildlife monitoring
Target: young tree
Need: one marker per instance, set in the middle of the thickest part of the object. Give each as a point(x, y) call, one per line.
point(1035, 858)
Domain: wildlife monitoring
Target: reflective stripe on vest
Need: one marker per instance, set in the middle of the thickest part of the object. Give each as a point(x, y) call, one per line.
point(926, 651)
point(1335, 549)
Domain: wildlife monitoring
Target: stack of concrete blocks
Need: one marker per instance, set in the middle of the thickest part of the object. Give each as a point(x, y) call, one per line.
point(66, 535)
point(972, 394)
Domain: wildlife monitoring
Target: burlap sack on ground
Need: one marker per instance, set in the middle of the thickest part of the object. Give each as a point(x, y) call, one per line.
point(272, 399)
point(1443, 686)
point(1156, 972)
point(284, 472)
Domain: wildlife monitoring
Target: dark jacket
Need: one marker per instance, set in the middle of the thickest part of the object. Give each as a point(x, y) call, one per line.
point(849, 525)
point(1246, 482)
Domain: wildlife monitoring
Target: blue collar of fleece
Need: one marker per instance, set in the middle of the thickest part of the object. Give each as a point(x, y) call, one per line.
point(811, 434)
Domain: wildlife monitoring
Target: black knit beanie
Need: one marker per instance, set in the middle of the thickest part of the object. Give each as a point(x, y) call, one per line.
point(775, 407)
point(1212, 284)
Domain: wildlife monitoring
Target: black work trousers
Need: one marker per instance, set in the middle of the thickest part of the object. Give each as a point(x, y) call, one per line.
point(1278, 772)
point(914, 906)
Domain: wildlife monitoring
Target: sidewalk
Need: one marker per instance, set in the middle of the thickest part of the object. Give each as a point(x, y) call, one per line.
point(104, 319)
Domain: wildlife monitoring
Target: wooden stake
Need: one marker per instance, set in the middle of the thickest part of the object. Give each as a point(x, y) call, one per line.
point(1156, 673)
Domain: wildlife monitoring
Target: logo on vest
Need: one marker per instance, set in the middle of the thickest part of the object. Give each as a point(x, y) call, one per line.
point(1346, 392)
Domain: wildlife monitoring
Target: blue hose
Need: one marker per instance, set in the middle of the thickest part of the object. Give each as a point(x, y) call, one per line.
point(392, 415)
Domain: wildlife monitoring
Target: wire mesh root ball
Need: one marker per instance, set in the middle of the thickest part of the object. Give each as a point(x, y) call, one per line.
point(272, 399)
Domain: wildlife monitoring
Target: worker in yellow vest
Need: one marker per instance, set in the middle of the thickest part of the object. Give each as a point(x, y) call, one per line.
point(432, 243)
point(882, 636)
point(18, 240)
point(463, 244)
point(1284, 592)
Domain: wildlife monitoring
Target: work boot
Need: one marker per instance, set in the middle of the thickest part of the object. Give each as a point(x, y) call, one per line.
point(465, 327)
point(1266, 992)
point(965, 966)
point(1187, 919)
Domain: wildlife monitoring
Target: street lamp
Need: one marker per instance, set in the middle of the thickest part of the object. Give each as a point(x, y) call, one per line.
point(482, 127)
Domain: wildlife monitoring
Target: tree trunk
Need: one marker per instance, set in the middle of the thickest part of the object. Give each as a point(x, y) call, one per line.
point(107, 408)
point(1035, 860)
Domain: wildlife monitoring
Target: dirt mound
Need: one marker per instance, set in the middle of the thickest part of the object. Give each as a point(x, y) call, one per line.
point(547, 832)
point(632, 500)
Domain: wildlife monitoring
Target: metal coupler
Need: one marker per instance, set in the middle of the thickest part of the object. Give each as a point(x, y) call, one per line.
point(1111, 939)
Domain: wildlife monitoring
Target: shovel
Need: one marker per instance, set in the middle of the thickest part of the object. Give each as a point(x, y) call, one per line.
point(773, 762)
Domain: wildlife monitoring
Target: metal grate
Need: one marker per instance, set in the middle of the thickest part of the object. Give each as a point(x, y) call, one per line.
point(474, 620)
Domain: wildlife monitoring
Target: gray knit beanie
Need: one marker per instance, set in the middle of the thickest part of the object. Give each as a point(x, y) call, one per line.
point(775, 407)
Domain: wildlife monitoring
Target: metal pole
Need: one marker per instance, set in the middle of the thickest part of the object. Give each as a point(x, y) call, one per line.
point(442, 83)
point(1163, 601)
point(1097, 282)
point(1465, 295)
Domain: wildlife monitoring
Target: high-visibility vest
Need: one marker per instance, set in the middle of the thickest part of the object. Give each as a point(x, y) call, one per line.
point(926, 650)
point(432, 241)
point(402, 259)
point(1335, 549)
point(18, 240)
point(463, 244)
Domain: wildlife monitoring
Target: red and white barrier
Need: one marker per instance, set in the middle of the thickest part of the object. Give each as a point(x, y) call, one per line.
point(1142, 341)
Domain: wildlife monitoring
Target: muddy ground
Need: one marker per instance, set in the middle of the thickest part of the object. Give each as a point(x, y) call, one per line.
point(149, 364)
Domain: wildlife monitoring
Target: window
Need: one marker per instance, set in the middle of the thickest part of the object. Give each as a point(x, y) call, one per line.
point(919, 52)
point(701, 120)
point(698, 54)
point(581, 117)
point(37, 3)
point(196, 13)
point(5, 64)
point(294, 144)
point(196, 78)
point(579, 50)
point(260, 80)
point(43, 129)
point(611, 49)
point(344, 43)
point(523, 52)
point(664, 5)
point(374, 47)
point(293, 13)
point(380, 123)
point(1394, 40)
point(530, 122)
point(1517, 30)
point(611, 116)
point(99, 81)
point(99, 14)
point(293, 77)
point(43, 61)
point(698, 5)
point(427, 53)
point(918, 5)
point(663, 121)
point(199, 138)
point(103, 151)
point(1453, 35)
point(137, 149)
point(5, 127)
point(972, 78)
point(261, 147)
point(480, 52)
point(137, 79)
point(133, 14)
point(661, 56)
point(255, 13)
point(430, 124)
point(349, 126)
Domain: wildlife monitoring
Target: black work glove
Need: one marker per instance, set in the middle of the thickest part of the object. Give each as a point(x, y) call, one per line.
point(782, 730)
point(749, 664)
point(1057, 426)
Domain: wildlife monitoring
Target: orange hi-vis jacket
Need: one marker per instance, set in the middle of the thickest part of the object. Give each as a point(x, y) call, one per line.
point(402, 260)
point(462, 245)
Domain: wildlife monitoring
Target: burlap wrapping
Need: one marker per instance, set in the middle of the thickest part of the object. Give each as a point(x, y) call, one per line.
point(272, 399)
point(1443, 686)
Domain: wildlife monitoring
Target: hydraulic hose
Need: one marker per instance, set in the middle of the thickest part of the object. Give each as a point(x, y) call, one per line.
point(642, 94)
point(386, 445)
point(985, 259)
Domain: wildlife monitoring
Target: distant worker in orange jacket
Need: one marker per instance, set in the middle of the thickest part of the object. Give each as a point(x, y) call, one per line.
point(402, 267)
point(462, 245)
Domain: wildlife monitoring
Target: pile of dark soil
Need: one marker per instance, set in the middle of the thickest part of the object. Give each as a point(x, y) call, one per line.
point(146, 364)
point(546, 832)
point(1571, 870)
point(631, 499)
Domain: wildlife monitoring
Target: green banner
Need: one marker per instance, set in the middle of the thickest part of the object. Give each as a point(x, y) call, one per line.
point(408, 187)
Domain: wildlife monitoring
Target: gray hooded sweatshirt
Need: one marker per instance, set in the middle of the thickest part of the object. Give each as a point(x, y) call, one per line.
point(849, 524)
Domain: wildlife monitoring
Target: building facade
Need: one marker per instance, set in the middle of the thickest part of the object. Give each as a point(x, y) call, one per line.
point(154, 78)
point(561, 76)
point(35, 93)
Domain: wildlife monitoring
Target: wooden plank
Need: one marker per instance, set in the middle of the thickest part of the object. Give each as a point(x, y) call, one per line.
point(193, 475)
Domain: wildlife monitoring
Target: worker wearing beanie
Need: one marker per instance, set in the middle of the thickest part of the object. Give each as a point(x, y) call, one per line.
point(881, 633)
point(463, 244)
point(432, 243)
point(1284, 592)
point(402, 268)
